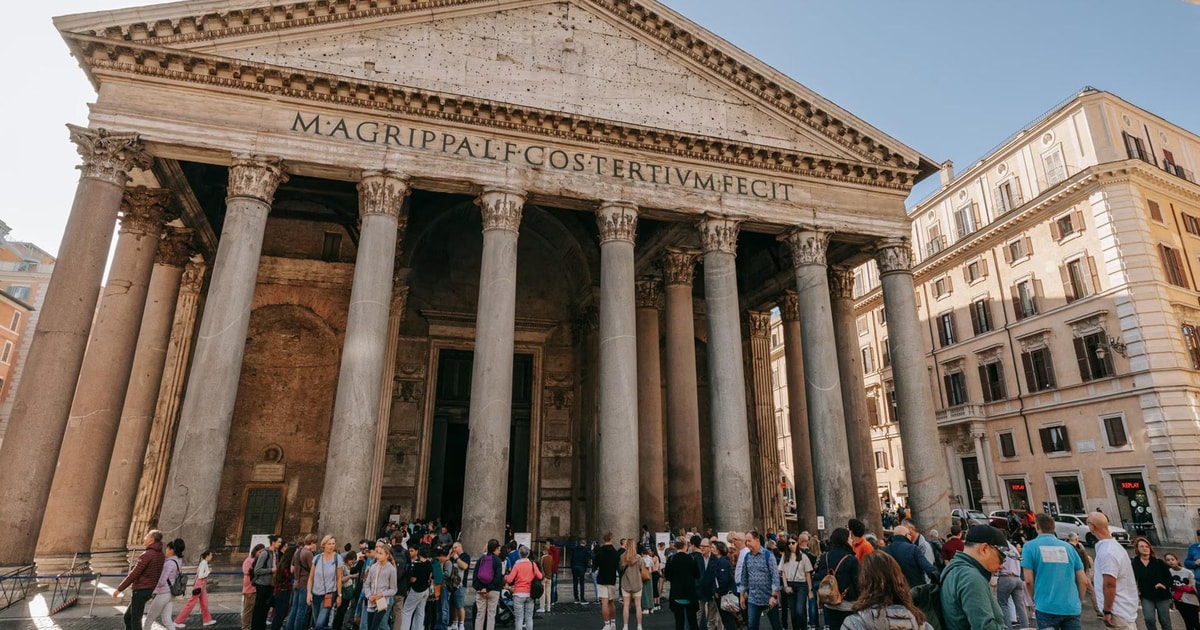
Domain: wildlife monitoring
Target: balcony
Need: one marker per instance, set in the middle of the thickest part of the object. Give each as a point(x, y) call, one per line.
point(1179, 171)
point(935, 246)
point(961, 414)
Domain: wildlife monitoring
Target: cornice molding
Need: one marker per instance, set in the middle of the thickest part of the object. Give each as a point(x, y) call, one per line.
point(99, 54)
point(665, 29)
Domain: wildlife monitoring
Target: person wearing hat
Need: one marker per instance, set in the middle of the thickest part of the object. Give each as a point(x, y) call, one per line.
point(966, 592)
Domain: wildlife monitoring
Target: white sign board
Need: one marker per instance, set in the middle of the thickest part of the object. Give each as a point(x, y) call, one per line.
point(260, 538)
point(662, 538)
point(723, 537)
point(394, 518)
point(820, 522)
point(524, 539)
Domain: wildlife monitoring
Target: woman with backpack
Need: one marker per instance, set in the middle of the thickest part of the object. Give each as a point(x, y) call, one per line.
point(884, 602)
point(172, 572)
point(837, 569)
point(521, 577)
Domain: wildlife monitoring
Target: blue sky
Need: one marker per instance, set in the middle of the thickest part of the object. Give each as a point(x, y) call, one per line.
point(951, 79)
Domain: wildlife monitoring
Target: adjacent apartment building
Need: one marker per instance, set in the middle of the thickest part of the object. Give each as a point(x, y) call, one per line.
point(1059, 278)
point(25, 272)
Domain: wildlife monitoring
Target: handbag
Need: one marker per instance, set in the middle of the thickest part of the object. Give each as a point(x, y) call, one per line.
point(730, 602)
point(195, 592)
point(645, 572)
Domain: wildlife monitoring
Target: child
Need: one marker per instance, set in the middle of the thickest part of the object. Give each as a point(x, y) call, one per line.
point(1184, 592)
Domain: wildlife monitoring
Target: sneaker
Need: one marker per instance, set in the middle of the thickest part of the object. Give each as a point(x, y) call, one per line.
point(211, 623)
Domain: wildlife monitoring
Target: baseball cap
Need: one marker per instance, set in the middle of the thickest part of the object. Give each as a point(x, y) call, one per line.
point(988, 535)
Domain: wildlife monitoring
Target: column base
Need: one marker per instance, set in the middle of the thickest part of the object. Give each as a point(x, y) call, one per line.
point(110, 563)
point(58, 565)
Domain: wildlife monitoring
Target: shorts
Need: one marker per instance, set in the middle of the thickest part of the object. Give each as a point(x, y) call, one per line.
point(607, 591)
point(458, 599)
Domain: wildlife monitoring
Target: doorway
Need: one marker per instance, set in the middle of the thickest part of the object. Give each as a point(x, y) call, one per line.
point(974, 485)
point(451, 428)
point(261, 514)
point(1069, 494)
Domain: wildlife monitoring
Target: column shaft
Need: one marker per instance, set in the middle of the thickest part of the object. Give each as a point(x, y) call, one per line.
point(166, 410)
point(190, 497)
point(928, 479)
point(129, 451)
point(40, 409)
point(486, 496)
point(827, 421)
point(684, 496)
point(854, 399)
point(345, 497)
point(619, 478)
point(651, 468)
point(379, 461)
point(766, 465)
point(802, 463)
point(727, 381)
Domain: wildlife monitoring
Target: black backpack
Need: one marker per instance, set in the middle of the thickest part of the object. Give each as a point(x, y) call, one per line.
point(928, 597)
point(179, 586)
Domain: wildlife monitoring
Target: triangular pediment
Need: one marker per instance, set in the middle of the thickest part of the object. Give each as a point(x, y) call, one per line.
point(631, 63)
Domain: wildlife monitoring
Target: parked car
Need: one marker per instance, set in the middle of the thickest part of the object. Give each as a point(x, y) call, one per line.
point(1067, 524)
point(965, 518)
point(999, 519)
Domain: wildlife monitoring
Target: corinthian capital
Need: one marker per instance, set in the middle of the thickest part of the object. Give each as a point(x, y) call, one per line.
point(679, 266)
point(256, 177)
point(808, 246)
point(109, 156)
point(175, 248)
point(789, 306)
point(894, 256)
point(649, 293)
point(143, 210)
point(193, 277)
point(841, 282)
point(617, 221)
point(719, 234)
point(760, 324)
point(382, 192)
point(501, 209)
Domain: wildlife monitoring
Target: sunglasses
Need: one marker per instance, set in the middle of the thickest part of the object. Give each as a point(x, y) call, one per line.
point(1003, 553)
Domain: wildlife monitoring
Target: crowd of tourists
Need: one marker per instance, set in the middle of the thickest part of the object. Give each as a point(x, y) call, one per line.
point(418, 576)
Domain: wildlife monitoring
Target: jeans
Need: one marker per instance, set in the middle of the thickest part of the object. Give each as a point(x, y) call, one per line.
point(798, 605)
point(321, 613)
point(297, 618)
point(413, 617)
point(1058, 622)
point(283, 600)
point(523, 611)
point(754, 616)
point(160, 606)
point(1163, 609)
point(577, 584)
point(376, 617)
point(553, 589)
point(443, 617)
point(486, 605)
point(1010, 590)
point(339, 615)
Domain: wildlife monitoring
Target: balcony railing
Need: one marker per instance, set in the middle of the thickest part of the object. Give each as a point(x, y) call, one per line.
point(935, 246)
point(1179, 171)
point(960, 414)
point(19, 266)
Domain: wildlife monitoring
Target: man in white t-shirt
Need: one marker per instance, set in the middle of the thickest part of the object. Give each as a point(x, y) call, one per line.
point(1116, 590)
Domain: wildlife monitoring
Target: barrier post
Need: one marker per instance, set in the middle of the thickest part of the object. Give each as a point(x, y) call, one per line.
point(95, 587)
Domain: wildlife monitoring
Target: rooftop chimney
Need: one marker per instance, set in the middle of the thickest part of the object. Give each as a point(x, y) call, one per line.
point(947, 173)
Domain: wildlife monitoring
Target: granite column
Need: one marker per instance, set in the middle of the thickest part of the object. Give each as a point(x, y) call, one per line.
point(766, 465)
point(926, 473)
point(190, 496)
point(827, 421)
point(386, 390)
point(684, 497)
point(345, 498)
point(802, 453)
point(854, 399)
point(732, 496)
point(618, 384)
point(651, 467)
point(129, 451)
point(486, 497)
point(41, 408)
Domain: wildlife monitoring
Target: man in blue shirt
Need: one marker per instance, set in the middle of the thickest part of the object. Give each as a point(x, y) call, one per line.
point(1052, 568)
point(759, 588)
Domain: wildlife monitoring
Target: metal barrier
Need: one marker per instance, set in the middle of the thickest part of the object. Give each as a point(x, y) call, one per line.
point(15, 585)
point(67, 585)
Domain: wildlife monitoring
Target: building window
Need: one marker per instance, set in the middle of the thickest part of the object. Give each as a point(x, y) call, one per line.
point(956, 389)
point(1008, 446)
point(942, 287)
point(1008, 196)
point(887, 353)
point(1066, 225)
point(868, 360)
point(20, 292)
point(1191, 224)
point(1155, 210)
point(946, 328)
point(981, 316)
point(1136, 148)
point(1039, 369)
point(1192, 343)
point(860, 283)
point(1069, 495)
point(331, 247)
point(966, 220)
point(882, 316)
point(1095, 359)
point(889, 393)
point(880, 460)
point(1056, 169)
point(976, 270)
point(862, 324)
point(1054, 439)
point(16, 320)
point(1024, 302)
point(873, 410)
point(1172, 266)
point(1079, 278)
point(6, 354)
point(1018, 249)
point(937, 242)
point(1114, 431)
point(991, 377)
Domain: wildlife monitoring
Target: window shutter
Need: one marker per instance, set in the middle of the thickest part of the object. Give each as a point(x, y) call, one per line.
point(983, 268)
point(975, 214)
point(1018, 199)
point(1016, 302)
point(1108, 364)
point(917, 298)
point(974, 319)
point(949, 284)
point(1079, 223)
point(1007, 254)
point(1091, 262)
point(1027, 363)
point(1039, 297)
point(1085, 369)
point(1028, 246)
point(967, 274)
point(1155, 211)
point(949, 387)
point(998, 200)
point(983, 381)
point(960, 223)
point(1055, 233)
point(1001, 388)
point(1068, 290)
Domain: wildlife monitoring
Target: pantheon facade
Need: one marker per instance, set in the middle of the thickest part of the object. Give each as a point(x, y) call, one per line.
point(499, 262)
